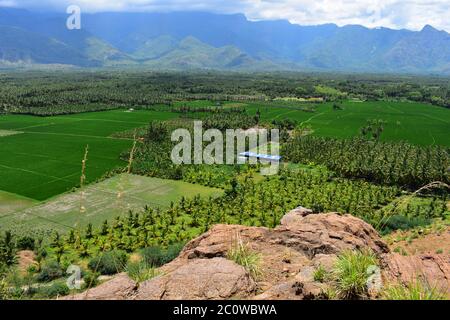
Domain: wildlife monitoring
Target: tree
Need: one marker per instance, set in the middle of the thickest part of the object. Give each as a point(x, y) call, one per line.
point(7, 250)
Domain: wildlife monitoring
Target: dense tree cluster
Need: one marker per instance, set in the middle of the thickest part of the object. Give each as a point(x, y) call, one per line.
point(46, 93)
point(400, 164)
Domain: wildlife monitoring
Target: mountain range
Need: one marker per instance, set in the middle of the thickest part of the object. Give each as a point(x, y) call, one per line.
point(198, 40)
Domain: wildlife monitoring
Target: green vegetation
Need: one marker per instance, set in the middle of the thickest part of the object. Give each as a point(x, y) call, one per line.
point(101, 201)
point(46, 159)
point(52, 92)
point(156, 256)
point(350, 273)
point(140, 271)
point(413, 291)
point(399, 164)
point(246, 257)
point(12, 203)
point(413, 122)
point(320, 274)
point(108, 263)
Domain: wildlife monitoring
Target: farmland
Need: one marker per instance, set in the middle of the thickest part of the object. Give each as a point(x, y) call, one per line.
point(44, 159)
point(41, 156)
point(403, 121)
point(100, 201)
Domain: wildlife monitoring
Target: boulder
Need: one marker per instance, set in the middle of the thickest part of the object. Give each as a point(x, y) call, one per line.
point(295, 215)
point(328, 233)
point(200, 279)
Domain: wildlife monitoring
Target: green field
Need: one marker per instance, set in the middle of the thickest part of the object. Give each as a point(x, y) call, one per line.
point(10, 203)
point(44, 159)
point(101, 201)
point(405, 121)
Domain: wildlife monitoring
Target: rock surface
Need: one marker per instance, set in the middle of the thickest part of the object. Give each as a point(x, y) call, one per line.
point(200, 279)
point(431, 269)
point(121, 287)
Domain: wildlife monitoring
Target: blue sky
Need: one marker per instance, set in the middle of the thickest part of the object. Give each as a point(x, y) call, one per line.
point(409, 14)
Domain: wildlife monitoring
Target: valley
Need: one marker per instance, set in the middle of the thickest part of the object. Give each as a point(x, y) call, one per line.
point(89, 175)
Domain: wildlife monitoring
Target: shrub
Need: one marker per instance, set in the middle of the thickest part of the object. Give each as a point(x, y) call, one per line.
point(244, 256)
point(399, 222)
point(156, 256)
point(49, 272)
point(57, 288)
point(7, 250)
point(90, 279)
point(320, 274)
point(109, 263)
point(141, 271)
point(173, 251)
point(350, 273)
point(153, 256)
point(25, 243)
point(4, 290)
point(413, 291)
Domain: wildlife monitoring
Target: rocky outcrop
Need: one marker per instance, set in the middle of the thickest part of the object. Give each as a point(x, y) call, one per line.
point(431, 269)
point(289, 256)
point(308, 236)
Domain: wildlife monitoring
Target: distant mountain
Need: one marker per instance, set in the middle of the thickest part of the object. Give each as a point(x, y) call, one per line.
point(21, 46)
point(192, 40)
point(166, 52)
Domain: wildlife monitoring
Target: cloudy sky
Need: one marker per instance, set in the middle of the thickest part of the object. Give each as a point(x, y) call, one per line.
point(410, 14)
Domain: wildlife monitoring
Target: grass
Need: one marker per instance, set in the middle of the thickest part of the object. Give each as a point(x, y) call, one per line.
point(413, 291)
point(12, 203)
point(104, 200)
point(45, 160)
point(139, 271)
point(244, 256)
point(350, 273)
point(320, 274)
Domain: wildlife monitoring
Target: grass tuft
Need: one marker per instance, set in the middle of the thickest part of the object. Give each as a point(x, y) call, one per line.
point(350, 273)
point(141, 271)
point(320, 274)
point(413, 291)
point(244, 256)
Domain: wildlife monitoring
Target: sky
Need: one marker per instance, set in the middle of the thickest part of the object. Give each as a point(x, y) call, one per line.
point(395, 14)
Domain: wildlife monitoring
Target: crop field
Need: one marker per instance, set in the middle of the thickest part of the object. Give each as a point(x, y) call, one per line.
point(404, 121)
point(12, 203)
point(100, 201)
point(417, 123)
point(43, 158)
point(40, 157)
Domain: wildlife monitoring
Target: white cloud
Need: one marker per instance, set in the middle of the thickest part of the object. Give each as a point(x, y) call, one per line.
point(410, 14)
